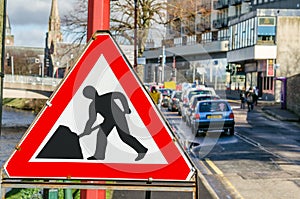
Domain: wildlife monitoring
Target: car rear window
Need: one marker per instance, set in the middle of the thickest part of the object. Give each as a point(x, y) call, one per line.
point(165, 92)
point(213, 106)
point(203, 98)
point(177, 95)
point(198, 92)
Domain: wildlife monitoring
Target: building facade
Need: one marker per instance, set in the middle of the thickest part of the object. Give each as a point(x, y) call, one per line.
point(255, 41)
point(263, 45)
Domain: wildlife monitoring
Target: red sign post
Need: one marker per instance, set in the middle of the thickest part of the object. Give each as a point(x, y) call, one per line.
point(98, 19)
point(98, 16)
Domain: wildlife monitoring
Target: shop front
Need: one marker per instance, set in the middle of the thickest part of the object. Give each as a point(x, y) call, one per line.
point(260, 74)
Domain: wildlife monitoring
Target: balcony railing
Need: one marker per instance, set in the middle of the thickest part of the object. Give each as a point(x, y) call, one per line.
point(234, 2)
point(220, 4)
point(207, 26)
point(220, 23)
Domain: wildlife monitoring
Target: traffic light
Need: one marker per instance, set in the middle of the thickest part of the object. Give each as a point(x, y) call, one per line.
point(47, 62)
point(159, 60)
point(228, 69)
point(9, 61)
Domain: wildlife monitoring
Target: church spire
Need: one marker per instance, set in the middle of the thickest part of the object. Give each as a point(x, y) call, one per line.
point(9, 38)
point(54, 34)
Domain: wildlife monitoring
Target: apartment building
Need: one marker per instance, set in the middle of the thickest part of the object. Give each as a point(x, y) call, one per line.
point(263, 43)
point(255, 41)
point(189, 46)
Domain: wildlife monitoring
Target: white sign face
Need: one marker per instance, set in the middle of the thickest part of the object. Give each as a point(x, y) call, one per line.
point(76, 115)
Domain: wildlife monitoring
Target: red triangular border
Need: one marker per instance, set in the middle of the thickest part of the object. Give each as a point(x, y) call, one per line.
point(178, 168)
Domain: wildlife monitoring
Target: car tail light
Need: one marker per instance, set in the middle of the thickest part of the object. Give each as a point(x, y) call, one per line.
point(231, 116)
point(197, 116)
point(185, 100)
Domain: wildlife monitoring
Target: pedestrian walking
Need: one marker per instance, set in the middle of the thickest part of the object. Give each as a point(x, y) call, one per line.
point(255, 96)
point(249, 98)
point(243, 98)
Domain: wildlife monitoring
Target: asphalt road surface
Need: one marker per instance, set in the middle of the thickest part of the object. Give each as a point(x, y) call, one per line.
point(262, 159)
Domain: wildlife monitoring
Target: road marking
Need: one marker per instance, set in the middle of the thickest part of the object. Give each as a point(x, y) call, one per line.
point(204, 167)
point(224, 180)
point(213, 166)
point(257, 144)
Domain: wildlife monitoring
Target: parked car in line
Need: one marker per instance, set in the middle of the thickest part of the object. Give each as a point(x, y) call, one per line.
point(212, 115)
point(187, 96)
point(193, 102)
point(173, 102)
point(166, 94)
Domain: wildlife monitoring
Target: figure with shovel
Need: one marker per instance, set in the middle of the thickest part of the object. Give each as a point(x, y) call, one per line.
point(114, 116)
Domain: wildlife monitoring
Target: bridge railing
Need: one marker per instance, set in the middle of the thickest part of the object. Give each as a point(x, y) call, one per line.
point(34, 80)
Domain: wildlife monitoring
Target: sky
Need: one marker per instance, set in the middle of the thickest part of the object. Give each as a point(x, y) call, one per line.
point(29, 19)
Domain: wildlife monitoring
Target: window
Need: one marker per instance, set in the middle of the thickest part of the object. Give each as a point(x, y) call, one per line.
point(235, 37)
point(268, 83)
point(248, 35)
point(266, 30)
point(254, 31)
point(244, 38)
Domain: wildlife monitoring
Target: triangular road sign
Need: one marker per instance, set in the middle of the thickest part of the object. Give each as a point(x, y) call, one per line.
point(100, 123)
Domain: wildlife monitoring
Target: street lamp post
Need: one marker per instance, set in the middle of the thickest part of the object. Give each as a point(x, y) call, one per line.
point(216, 63)
point(135, 34)
point(3, 27)
point(163, 62)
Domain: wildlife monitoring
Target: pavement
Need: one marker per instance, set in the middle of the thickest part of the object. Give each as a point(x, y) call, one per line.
point(275, 110)
point(281, 114)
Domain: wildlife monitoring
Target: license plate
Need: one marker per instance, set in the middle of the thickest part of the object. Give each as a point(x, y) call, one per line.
point(214, 116)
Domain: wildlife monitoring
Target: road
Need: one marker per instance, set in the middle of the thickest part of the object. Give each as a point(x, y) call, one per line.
point(262, 159)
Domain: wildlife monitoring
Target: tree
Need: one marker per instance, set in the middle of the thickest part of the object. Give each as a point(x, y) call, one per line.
point(150, 12)
point(74, 24)
point(175, 13)
point(186, 16)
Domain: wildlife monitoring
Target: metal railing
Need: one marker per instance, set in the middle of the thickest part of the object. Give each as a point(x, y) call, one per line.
point(33, 80)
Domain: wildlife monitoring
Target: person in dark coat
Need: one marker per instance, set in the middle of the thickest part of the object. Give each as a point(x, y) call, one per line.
point(250, 99)
point(243, 98)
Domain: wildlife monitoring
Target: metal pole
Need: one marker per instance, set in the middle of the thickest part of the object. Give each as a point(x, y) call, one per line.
point(163, 62)
point(12, 66)
point(216, 77)
point(148, 193)
point(68, 194)
point(174, 68)
point(135, 35)
point(3, 24)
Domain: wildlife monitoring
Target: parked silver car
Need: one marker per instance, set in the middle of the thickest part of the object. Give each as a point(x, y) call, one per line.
point(174, 100)
point(187, 96)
